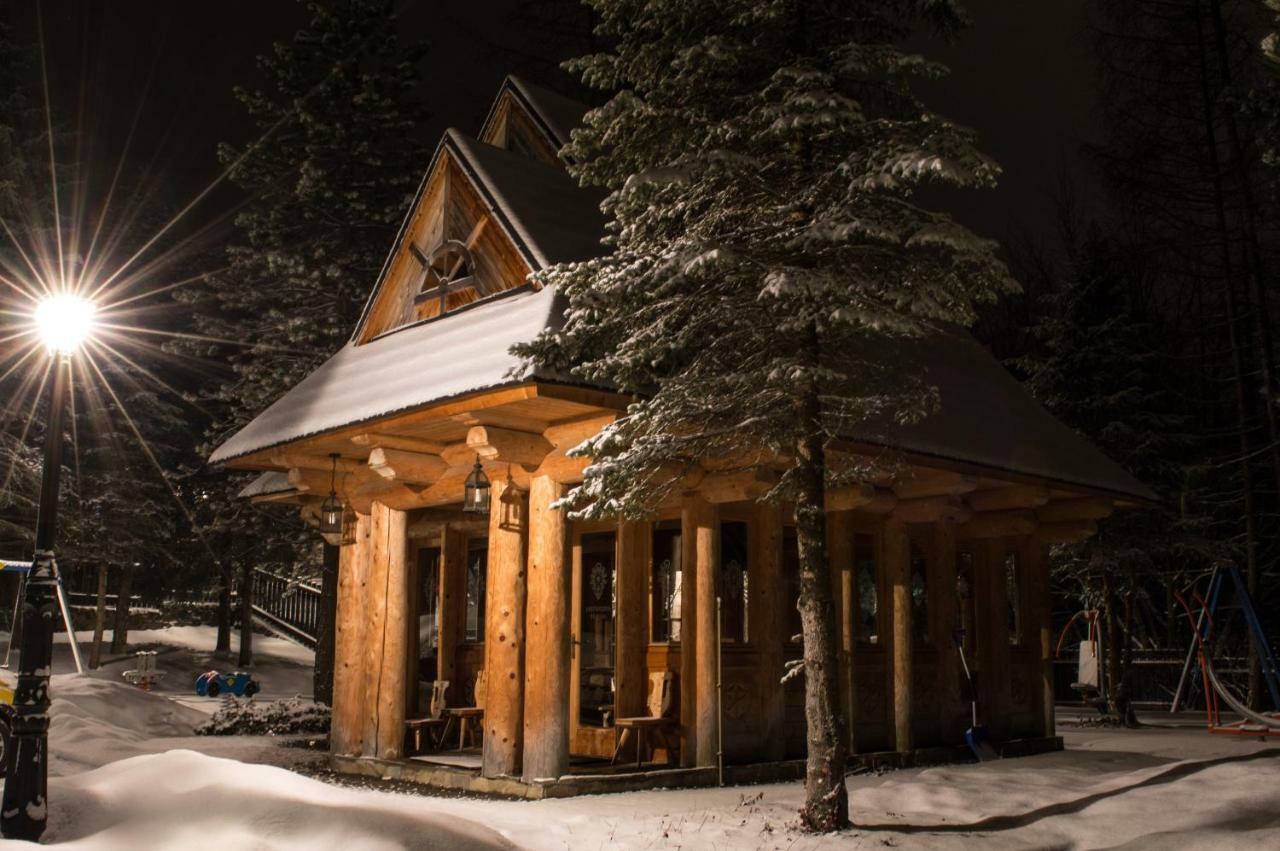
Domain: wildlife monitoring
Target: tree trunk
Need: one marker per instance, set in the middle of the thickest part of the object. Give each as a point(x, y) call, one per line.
point(120, 631)
point(322, 686)
point(1117, 687)
point(826, 806)
point(99, 619)
point(246, 614)
point(224, 611)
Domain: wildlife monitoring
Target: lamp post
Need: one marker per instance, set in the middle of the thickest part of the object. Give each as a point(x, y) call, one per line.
point(63, 323)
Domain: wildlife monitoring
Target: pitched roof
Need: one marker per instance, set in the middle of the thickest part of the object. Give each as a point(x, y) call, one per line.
point(553, 218)
point(986, 417)
point(553, 113)
point(268, 483)
point(404, 369)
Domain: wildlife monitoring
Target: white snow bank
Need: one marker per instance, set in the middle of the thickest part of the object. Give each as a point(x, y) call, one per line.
point(94, 721)
point(183, 799)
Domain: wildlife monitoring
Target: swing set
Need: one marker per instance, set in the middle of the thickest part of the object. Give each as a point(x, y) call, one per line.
point(1200, 654)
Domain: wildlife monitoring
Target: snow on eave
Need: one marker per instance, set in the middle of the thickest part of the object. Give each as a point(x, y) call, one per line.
point(461, 354)
point(267, 484)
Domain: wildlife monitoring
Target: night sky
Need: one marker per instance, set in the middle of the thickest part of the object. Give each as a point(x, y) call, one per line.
point(1021, 76)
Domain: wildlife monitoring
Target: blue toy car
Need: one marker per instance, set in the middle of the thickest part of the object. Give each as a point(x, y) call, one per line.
point(239, 683)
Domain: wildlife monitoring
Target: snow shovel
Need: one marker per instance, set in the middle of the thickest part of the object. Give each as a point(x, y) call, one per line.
point(977, 737)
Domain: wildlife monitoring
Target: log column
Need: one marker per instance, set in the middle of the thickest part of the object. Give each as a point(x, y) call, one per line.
point(840, 554)
point(770, 618)
point(945, 609)
point(996, 673)
point(347, 732)
point(897, 557)
point(547, 667)
point(631, 681)
point(504, 631)
point(386, 633)
point(700, 541)
point(1035, 567)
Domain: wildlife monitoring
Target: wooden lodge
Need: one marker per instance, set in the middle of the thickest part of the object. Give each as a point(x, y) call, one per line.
point(555, 637)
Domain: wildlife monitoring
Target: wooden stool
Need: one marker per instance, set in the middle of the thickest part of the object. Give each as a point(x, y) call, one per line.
point(661, 701)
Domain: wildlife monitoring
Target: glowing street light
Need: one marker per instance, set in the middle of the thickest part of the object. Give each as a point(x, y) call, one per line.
point(63, 322)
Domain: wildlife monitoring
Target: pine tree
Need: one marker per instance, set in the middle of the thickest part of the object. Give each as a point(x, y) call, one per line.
point(761, 160)
point(327, 180)
point(1100, 362)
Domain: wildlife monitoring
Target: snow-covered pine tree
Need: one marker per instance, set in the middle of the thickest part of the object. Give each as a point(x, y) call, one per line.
point(762, 159)
point(1100, 363)
point(327, 180)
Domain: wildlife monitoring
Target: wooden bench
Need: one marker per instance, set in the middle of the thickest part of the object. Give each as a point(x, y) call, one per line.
point(660, 704)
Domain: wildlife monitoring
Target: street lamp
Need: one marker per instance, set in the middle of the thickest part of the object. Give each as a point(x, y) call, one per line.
point(63, 322)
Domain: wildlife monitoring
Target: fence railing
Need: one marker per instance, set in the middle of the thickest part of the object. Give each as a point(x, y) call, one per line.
point(290, 606)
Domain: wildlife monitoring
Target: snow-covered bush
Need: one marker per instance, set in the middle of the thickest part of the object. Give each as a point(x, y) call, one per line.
point(270, 718)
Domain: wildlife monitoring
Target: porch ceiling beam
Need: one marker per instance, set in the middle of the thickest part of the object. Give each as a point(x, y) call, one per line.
point(742, 486)
point(407, 467)
point(567, 435)
point(931, 509)
point(430, 528)
point(314, 462)
point(514, 447)
point(936, 485)
point(1013, 496)
point(999, 524)
point(1065, 510)
point(861, 497)
point(1066, 532)
point(371, 440)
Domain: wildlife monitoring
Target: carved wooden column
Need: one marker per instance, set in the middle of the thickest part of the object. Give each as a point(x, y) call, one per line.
point(386, 636)
point(504, 631)
point(700, 540)
point(897, 558)
point(347, 731)
point(840, 555)
point(770, 616)
point(945, 607)
point(631, 677)
point(996, 673)
point(547, 662)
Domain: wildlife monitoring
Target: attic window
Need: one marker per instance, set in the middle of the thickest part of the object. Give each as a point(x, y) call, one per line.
point(446, 271)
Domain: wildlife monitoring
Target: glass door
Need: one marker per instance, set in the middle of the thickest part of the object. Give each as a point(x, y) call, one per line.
point(597, 616)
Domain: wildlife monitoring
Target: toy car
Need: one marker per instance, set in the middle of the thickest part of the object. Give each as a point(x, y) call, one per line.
point(239, 683)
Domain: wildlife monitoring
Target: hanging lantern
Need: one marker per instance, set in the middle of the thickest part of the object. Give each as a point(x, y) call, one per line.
point(475, 493)
point(331, 510)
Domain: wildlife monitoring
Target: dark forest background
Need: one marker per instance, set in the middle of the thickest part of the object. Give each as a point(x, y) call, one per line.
point(1139, 215)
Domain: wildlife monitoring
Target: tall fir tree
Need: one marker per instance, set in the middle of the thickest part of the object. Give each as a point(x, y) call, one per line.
point(328, 179)
point(1099, 361)
point(761, 160)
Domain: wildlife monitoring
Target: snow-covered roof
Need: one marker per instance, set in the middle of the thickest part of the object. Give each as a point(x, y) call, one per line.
point(986, 417)
point(466, 351)
point(268, 483)
point(557, 113)
point(554, 219)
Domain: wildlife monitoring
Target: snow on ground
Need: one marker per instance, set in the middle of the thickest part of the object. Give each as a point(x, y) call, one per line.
point(128, 773)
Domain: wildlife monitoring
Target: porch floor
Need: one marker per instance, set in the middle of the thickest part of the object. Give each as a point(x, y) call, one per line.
point(460, 770)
